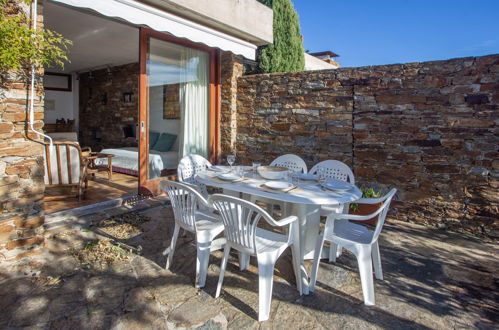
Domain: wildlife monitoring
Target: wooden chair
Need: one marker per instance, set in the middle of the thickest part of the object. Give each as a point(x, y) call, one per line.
point(65, 166)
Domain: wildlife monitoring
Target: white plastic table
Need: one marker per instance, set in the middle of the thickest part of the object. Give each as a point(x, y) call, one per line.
point(304, 202)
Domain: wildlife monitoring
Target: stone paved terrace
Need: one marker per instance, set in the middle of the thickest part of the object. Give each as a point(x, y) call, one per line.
point(433, 279)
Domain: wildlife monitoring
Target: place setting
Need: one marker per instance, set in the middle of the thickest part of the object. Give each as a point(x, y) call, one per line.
point(335, 186)
point(278, 179)
point(230, 174)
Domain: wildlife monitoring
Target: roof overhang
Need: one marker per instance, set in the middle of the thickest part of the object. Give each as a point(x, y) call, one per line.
point(143, 15)
point(248, 20)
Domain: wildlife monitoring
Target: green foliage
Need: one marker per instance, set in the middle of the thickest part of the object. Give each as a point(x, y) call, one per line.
point(266, 2)
point(21, 46)
point(370, 192)
point(286, 53)
point(366, 193)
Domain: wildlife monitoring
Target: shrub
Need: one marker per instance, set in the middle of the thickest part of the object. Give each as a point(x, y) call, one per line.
point(286, 53)
point(21, 46)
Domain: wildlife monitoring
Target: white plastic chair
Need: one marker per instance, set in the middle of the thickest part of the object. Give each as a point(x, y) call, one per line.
point(187, 169)
point(358, 240)
point(189, 209)
point(241, 219)
point(334, 169)
point(291, 161)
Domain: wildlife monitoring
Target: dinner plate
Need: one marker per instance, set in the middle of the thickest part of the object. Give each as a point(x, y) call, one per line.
point(228, 176)
point(278, 185)
point(218, 168)
point(307, 177)
point(338, 185)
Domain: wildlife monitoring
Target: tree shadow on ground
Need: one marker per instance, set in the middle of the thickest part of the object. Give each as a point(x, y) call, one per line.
point(430, 281)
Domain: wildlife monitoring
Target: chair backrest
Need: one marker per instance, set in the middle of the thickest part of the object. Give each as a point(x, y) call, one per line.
point(189, 166)
point(64, 136)
point(185, 201)
point(290, 161)
point(335, 169)
point(240, 219)
point(382, 212)
point(63, 163)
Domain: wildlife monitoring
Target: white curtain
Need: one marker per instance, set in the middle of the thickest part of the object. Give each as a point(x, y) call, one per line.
point(194, 98)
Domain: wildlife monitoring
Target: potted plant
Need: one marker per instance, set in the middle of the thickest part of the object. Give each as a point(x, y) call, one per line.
point(366, 209)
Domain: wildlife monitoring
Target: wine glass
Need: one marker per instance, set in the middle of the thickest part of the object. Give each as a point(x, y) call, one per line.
point(291, 176)
point(231, 159)
point(255, 169)
point(321, 173)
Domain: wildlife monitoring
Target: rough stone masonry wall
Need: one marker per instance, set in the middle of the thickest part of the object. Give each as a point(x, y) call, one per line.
point(21, 167)
point(103, 111)
point(427, 129)
point(231, 69)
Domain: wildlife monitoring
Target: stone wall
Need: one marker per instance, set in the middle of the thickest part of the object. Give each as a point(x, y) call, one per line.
point(231, 69)
point(21, 167)
point(427, 129)
point(306, 113)
point(103, 110)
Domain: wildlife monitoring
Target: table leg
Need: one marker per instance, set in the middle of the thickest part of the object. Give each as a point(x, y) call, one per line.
point(309, 221)
point(325, 250)
point(109, 168)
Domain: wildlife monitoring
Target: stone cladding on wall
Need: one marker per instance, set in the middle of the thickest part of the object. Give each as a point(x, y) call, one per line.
point(428, 129)
point(231, 69)
point(105, 110)
point(21, 166)
point(298, 113)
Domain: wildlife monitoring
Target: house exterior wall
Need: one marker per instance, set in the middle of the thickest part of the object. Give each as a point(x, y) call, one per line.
point(428, 129)
point(21, 167)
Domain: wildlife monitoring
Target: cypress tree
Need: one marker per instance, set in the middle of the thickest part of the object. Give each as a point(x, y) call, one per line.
point(285, 54)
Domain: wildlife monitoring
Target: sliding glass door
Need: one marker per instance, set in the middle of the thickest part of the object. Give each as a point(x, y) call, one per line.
point(175, 106)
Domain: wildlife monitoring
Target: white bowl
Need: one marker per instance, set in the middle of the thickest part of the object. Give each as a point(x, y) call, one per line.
point(272, 172)
point(222, 169)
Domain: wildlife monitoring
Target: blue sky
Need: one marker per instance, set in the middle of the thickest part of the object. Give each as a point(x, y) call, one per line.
point(371, 32)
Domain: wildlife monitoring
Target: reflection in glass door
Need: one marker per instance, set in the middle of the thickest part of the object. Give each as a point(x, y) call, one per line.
point(177, 90)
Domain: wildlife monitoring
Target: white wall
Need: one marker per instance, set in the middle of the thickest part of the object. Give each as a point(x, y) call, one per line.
point(314, 63)
point(66, 104)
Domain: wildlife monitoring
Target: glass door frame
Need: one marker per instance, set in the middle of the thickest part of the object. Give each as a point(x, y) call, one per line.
point(151, 186)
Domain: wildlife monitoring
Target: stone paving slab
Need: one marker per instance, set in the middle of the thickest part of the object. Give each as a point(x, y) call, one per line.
point(433, 279)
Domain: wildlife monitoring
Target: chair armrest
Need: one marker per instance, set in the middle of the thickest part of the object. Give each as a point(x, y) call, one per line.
point(83, 170)
point(343, 216)
point(282, 222)
point(370, 200)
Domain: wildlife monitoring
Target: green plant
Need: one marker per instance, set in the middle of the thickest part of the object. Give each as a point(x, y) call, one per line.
point(286, 53)
point(367, 192)
point(21, 46)
point(266, 2)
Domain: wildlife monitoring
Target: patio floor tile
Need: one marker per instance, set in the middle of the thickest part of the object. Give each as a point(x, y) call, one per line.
point(433, 279)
